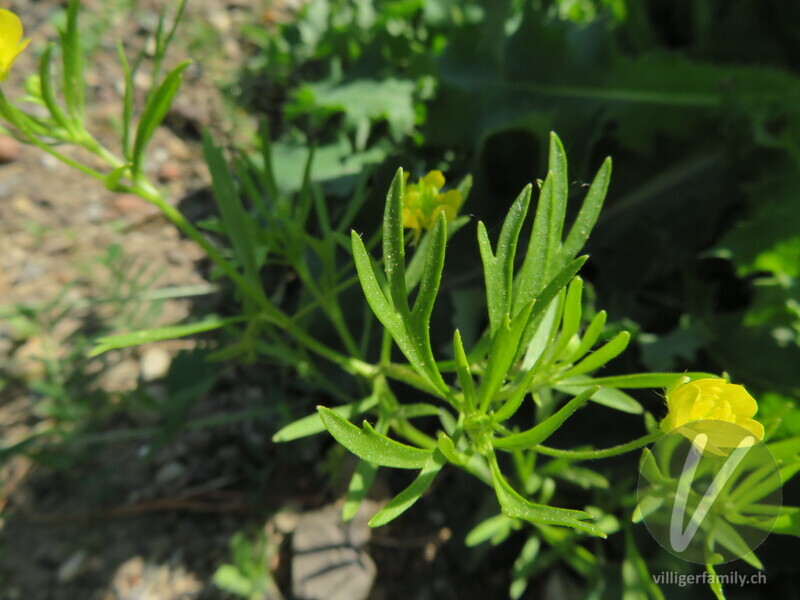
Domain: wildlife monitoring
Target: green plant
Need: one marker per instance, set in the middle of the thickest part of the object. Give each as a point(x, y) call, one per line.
point(280, 251)
point(248, 575)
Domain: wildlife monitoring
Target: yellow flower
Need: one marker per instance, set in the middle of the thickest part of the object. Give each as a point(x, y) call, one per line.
point(422, 202)
point(722, 411)
point(11, 42)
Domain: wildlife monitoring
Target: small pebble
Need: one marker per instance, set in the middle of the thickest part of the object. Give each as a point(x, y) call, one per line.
point(169, 171)
point(154, 364)
point(9, 149)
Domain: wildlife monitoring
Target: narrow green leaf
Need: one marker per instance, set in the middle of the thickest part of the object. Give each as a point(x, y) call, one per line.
point(590, 337)
point(370, 445)
point(492, 277)
point(448, 450)
point(72, 59)
point(539, 433)
point(127, 102)
point(637, 581)
point(646, 507)
point(648, 468)
point(646, 380)
point(768, 484)
point(125, 340)
point(417, 263)
point(432, 275)
point(498, 526)
point(607, 396)
point(394, 244)
point(312, 424)
point(531, 276)
point(48, 95)
point(571, 319)
point(547, 295)
point(372, 289)
point(499, 269)
point(464, 373)
point(416, 410)
point(114, 177)
point(587, 216)
point(600, 357)
point(516, 507)
point(154, 113)
point(728, 537)
point(235, 219)
point(501, 357)
point(557, 165)
point(360, 484)
point(406, 499)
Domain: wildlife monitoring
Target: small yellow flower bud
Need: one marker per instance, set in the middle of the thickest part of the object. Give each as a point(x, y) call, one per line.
point(11, 42)
point(722, 411)
point(422, 202)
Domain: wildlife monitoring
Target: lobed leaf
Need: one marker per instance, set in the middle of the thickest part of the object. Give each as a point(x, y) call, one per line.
point(372, 446)
point(515, 506)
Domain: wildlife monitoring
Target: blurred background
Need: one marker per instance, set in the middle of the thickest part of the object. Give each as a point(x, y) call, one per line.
point(150, 471)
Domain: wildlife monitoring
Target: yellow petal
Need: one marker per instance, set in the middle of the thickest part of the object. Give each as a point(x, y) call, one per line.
point(753, 426)
point(683, 402)
point(434, 179)
point(10, 30)
point(742, 403)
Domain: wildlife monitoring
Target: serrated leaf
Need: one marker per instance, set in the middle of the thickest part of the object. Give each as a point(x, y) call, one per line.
point(370, 445)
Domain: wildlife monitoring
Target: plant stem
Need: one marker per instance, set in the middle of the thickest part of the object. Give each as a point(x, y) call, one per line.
point(604, 453)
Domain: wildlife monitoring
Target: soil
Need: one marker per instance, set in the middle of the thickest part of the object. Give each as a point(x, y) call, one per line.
point(119, 513)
